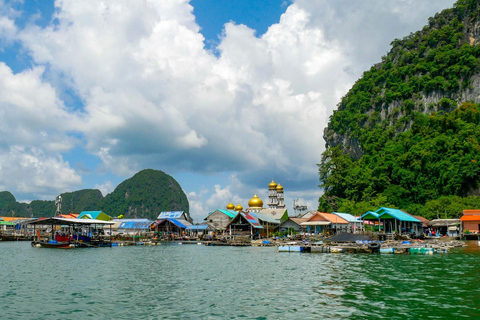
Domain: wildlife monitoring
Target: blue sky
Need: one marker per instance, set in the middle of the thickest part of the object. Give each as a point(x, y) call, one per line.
point(223, 95)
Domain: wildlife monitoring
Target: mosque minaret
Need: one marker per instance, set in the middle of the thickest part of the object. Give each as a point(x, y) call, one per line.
point(280, 198)
point(273, 195)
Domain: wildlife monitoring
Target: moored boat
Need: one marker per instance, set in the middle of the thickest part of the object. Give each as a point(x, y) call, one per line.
point(53, 244)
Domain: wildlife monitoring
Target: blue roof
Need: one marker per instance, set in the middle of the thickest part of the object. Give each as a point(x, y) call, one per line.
point(178, 223)
point(171, 214)
point(135, 224)
point(346, 216)
point(230, 213)
point(389, 213)
point(92, 214)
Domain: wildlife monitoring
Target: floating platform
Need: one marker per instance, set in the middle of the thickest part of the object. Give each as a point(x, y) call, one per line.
point(291, 249)
point(404, 247)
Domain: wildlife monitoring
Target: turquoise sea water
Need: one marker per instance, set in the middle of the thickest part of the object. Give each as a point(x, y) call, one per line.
point(200, 282)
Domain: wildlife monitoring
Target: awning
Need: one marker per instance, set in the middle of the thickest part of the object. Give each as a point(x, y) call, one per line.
point(198, 227)
point(315, 223)
point(70, 222)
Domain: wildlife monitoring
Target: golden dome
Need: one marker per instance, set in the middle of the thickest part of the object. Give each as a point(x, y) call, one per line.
point(272, 185)
point(255, 202)
point(279, 187)
point(238, 207)
point(230, 206)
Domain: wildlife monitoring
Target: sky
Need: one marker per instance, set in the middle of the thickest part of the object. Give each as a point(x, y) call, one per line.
point(224, 96)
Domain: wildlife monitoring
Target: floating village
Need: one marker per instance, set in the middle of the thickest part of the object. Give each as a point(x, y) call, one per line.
point(386, 230)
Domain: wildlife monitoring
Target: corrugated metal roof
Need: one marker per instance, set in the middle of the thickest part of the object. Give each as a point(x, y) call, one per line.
point(230, 213)
point(251, 219)
point(444, 222)
point(274, 213)
point(171, 214)
point(388, 213)
point(308, 215)
point(135, 224)
point(297, 221)
point(265, 218)
point(180, 223)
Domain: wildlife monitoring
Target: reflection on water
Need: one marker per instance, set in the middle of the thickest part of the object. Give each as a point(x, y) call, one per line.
point(199, 282)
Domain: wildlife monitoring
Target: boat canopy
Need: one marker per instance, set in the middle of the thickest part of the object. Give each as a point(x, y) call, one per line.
point(69, 221)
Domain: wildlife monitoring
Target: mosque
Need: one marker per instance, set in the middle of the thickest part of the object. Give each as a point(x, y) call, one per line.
point(269, 217)
point(276, 203)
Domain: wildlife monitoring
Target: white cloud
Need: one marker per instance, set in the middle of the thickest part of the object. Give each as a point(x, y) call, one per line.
point(154, 97)
point(106, 187)
point(7, 29)
point(35, 172)
point(152, 92)
point(34, 127)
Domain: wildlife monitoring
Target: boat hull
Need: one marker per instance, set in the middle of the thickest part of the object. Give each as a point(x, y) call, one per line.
point(58, 245)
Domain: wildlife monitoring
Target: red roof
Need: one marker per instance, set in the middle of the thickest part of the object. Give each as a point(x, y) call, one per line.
point(470, 218)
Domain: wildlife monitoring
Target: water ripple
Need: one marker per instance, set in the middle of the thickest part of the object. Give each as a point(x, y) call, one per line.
point(198, 282)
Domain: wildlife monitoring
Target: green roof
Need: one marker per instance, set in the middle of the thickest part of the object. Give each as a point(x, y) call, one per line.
point(97, 215)
point(370, 215)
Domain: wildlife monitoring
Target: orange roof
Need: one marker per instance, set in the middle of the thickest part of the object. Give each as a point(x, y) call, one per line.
point(69, 215)
point(317, 217)
point(9, 219)
point(333, 218)
point(470, 218)
point(472, 212)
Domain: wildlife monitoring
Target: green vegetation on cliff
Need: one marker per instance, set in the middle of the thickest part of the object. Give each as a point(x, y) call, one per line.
point(404, 135)
point(145, 195)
